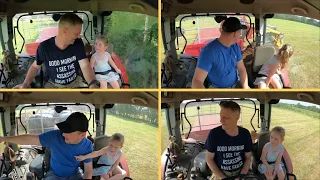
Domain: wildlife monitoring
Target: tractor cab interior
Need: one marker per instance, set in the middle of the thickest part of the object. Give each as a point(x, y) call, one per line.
point(187, 26)
point(38, 112)
point(25, 24)
point(190, 116)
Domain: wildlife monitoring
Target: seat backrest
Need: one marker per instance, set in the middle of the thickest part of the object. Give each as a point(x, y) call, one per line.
point(99, 143)
point(261, 55)
point(258, 146)
point(47, 156)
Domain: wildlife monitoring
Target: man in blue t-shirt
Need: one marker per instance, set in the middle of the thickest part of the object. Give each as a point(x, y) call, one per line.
point(221, 59)
point(229, 146)
point(63, 56)
point(66, 143)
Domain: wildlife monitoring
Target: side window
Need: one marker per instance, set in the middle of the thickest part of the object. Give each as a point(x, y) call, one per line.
point(139, 125)
point(134, 43)
point(304, 62)
point(39, 119)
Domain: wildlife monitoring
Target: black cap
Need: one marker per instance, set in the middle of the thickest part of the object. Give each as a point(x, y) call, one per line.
point(232, 24)
point(75, 122)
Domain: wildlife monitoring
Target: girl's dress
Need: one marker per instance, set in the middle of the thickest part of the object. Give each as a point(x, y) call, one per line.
point(106, 160)
point(102, 65)
point(271, 158)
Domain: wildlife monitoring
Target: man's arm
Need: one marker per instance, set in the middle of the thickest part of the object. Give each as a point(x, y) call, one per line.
point(243, 74)
point(247, 163)
point(198, 78)
point(88, 169)
point(22, 139)
point(213, 166)
point(96, 153)
point(87, 71)
point(31, 74)
point(92, 61)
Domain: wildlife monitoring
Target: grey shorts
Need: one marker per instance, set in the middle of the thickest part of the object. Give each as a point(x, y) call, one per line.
point(78, 82)
point(51, 176)
point(227, 173)
point(237, 84)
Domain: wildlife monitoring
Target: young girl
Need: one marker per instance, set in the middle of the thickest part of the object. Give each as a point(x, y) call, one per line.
point(108, 163)
point(271, 155)
point(269, 73)
point(101, 61)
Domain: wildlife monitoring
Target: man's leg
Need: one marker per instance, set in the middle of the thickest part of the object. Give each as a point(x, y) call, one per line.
point(76, 176)
point(78, 82)
point(51, 176)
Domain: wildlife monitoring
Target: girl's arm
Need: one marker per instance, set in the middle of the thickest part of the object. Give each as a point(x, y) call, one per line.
point(264, 155)
point(113, 64)
point(115, 164)
point(92, 61)
point(278, 159)
point(93, 154)
point(273, 70)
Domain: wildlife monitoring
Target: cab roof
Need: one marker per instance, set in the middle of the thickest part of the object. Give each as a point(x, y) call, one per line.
point(307, 8)
point(12, 7)
point(178, 97)
point(147, 99)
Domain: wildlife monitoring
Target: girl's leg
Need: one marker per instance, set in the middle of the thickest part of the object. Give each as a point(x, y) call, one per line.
point(103, 84)
point(118, 173)
point(268, 177)
point(275, 83)
point(104, 177)
point(262, 85)
point(114, 84)
point(280, 174)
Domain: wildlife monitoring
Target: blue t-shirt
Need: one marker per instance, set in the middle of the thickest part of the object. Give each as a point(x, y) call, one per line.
point(61, 65)
point(229, 152)
point(220, 62)
point(62, 160)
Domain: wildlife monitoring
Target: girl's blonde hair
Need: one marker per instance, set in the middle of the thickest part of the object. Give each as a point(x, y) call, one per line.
point(279, 130)
point(117, 137)
point(103, 38)
point(285, 52)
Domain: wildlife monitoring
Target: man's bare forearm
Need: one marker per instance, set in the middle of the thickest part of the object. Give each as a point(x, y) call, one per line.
point(244, 78)
point(23, 139)
point(88, 74)
point(197, 84)
point(31, 74)
point(214, 168)
point(246, 166)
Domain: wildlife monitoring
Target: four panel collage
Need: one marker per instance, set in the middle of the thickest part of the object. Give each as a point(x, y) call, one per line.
point(160, 90)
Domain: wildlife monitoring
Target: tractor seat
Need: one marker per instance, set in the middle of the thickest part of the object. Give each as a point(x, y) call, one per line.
point(99, 143)
point(41, 164)
point(256, 155)
point(261, 55)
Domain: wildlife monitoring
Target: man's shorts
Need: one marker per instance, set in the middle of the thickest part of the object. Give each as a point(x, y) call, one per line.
point(77, 83)
point(237, 84)
point(226, 173)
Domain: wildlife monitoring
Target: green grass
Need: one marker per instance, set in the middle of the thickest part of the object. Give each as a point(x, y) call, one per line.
point(140, 147)
point(302, 138)
point(304, 64)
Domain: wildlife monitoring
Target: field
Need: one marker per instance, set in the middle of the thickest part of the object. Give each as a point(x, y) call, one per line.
point(303, 66)
point(302, 138)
